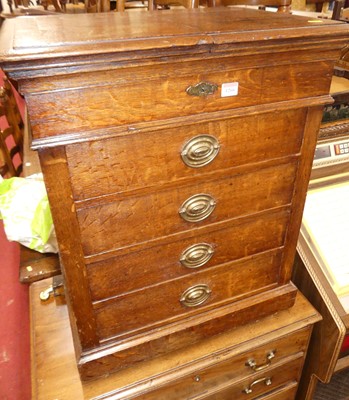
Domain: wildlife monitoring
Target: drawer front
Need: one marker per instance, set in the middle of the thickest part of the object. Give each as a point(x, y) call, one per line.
point(145, 159)
point(188, 295)
point(261, 384)
point(288, 355)
point(134, 270)
point(131, 99)
point(140, 219)
point(287, 392)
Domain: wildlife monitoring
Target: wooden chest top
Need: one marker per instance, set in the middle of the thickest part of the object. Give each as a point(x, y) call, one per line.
point(33, 38)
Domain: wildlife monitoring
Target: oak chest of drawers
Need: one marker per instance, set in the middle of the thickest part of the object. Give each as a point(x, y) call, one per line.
point(176, 149)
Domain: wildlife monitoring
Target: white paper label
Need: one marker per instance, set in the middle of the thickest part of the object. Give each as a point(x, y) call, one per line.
point(230, 89)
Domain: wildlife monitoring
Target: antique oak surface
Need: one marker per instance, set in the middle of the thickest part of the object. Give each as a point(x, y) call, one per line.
point(55, 374)
point(176, 149)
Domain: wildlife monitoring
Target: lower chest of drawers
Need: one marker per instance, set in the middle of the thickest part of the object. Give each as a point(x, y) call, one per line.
point(261, 370)
point(262, 359)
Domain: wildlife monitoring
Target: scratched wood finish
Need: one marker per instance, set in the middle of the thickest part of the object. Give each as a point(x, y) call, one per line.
point(128, 272)
point(127, 163)
point(110, 116)
point(226, 283)
point(131, 100)
point(140, 219)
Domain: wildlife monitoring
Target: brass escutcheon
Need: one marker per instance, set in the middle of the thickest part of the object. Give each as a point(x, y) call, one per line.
point(195, 295)
point(197, 208)
point(200, 151)
point(196, 255)
point(202, 89)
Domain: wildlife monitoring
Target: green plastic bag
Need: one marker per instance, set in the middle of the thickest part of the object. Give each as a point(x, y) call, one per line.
point(26, 213)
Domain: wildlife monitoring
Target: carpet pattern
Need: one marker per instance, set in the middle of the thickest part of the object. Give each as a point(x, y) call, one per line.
point(337, 389)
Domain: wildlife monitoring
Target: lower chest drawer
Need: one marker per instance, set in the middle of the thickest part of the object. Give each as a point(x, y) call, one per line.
point(277, 367)
point(262, 385)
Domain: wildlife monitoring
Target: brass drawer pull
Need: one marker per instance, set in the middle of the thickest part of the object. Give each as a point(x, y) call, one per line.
point(267, 382)
point(198, 207)
point(200, 151)
point(195, 295)
point(252, 363)
point(196, 255)
point(202, 89)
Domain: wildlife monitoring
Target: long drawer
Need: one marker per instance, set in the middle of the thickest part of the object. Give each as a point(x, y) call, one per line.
point(141, 219)
point(137, 269)
point(144, 159)
point(187, 295)
point(154, 93)
point(279, 360)
point(262, 384)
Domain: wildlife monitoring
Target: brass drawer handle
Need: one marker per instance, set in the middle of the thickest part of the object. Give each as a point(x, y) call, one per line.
point(252, 363)
point(197, 208)
point(196, 255)
point(249, 390)
point(202, 89)
point(200, 151)
point(195, 295)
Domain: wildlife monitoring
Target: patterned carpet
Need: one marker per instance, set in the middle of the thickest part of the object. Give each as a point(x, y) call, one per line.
point(338, 389)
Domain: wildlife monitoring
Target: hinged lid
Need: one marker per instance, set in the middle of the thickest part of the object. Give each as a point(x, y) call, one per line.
point(33, 38)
